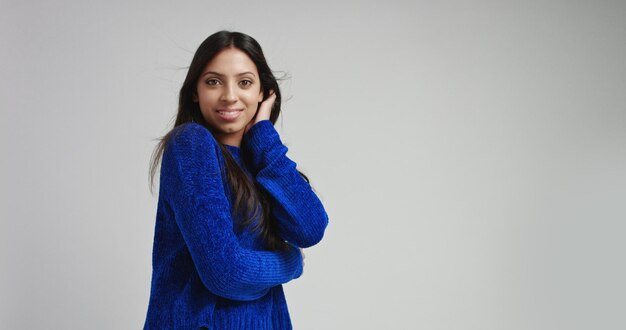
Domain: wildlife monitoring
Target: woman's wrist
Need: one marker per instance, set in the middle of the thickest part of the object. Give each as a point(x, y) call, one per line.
point(263, 143)
point(300, 266)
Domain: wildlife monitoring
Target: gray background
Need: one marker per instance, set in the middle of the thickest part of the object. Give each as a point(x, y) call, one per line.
point(471, 156)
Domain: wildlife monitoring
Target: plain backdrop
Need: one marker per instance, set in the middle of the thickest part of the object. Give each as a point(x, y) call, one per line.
point(471, 156)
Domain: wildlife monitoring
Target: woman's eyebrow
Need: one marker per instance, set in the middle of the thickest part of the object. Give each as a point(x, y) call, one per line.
point(221, 75)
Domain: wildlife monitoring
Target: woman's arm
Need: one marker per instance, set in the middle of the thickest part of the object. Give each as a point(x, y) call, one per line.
point(194, 189)
point(301, 217)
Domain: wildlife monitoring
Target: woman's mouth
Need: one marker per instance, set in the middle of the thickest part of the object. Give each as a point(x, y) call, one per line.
point(229, 114)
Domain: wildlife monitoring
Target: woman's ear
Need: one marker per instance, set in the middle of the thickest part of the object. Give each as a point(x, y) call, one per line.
point(194, 97)
point(261, 96)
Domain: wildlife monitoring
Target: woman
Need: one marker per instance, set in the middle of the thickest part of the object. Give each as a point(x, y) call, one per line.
point(233, 211)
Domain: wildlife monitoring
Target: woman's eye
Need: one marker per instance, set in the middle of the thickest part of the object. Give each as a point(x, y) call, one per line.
point(246, 83)
point(212, 82)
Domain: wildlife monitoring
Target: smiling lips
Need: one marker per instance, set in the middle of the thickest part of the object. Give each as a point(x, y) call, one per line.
point(229, 114)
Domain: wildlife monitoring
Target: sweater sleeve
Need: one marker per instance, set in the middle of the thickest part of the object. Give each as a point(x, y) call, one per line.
point(194, 189)
point(300, 215)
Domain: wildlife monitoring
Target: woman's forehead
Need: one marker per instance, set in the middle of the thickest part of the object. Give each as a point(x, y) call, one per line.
point(232, 62)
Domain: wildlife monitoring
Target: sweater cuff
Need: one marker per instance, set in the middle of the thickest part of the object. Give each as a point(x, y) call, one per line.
point(263, 143)
point(299, 261)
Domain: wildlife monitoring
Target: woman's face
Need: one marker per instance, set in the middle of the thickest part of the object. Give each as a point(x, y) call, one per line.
point(228, 93)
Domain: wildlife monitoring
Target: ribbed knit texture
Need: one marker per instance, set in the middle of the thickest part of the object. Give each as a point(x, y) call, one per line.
point(205, 273)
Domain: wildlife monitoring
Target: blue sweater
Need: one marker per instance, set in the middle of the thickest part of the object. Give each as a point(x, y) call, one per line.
point(205, 273)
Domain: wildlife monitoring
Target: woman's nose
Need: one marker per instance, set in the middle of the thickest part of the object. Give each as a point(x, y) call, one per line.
point(229, 94)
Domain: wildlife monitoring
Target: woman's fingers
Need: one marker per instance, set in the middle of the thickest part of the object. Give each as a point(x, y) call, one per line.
point(265, 109)
point(263, 112)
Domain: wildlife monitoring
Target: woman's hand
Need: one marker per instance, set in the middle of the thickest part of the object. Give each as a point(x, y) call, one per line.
point(263, 113)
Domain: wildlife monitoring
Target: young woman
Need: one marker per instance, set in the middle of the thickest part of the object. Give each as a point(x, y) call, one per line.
point(233, 211)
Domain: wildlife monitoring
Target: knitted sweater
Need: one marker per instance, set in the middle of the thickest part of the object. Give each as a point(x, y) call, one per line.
point(205, 272)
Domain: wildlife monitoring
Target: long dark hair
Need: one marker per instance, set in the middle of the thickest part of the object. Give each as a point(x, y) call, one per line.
point(250, 200)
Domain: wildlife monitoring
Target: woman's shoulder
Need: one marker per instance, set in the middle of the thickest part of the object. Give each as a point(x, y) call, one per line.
point(191, 130)
point(191, 141)
point(193, 133)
